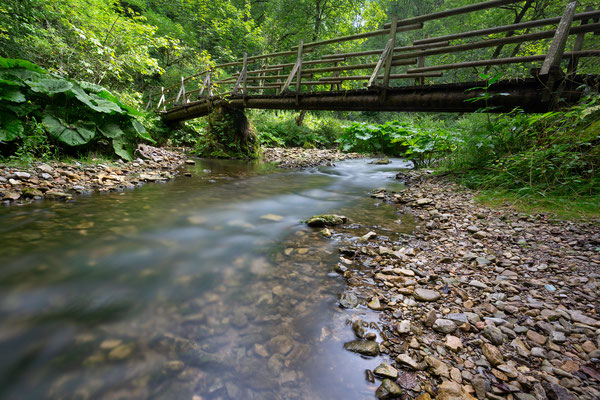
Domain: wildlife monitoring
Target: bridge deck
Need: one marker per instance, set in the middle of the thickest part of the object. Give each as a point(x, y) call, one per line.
point(528, 94)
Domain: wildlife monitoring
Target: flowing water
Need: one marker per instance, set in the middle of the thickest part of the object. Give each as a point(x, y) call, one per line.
point(206, 287)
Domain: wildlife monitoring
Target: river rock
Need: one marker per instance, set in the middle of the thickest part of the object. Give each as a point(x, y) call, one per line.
point(375, 304)
point(493, 334)
point(280, 344)
point(320, 221)
point(444, 325)
point(403, 327)
point(388, 390)
point(406, 360)
point(348, 300)
point(454, 343)
point(449, 390)
point(493, 355)
point(386, 371)
point(438, 367)
point(422, 294)
point(364, 347)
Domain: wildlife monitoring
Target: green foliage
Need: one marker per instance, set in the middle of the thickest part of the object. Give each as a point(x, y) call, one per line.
point(228, 135)
point(279, 129)
point(73, 113)
point(422, 145)
point(555, 153)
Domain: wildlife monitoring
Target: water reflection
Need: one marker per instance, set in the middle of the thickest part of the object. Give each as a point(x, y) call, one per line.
point(206, 286)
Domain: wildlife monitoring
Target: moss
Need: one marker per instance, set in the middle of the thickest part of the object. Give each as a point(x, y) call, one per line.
point(229, 135)
point(320, 221)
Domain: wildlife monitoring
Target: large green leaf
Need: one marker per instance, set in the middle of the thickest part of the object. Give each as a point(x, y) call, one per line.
point(50, 86)
point(109, 96)
point(11, 94)
point(10, 127)
point(17, 63)
point(21, 75)
point(120, 147)
point(112, 131)
point(94, 101)
point(76, 134)
point(141, 131)
point(20, 109)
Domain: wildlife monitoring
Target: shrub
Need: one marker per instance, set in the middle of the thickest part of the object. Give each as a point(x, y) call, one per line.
point(72, 113)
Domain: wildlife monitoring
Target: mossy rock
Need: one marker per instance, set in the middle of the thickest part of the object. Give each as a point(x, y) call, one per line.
point(320, 221)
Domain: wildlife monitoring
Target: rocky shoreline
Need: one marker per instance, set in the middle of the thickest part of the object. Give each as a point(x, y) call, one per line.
point(305, 158)
point(60, 180)
point(477, 302)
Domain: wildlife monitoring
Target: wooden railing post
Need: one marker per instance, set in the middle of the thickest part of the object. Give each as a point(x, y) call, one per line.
point(162, 100)
point(243, 78)
point(388, 61)
point(149, 104)
point(572, 68)
point(387, 51)
point(181, 93)
point(297, 67)
point(421, 64)
point(205, 84)
point(557, 47)
point(299, 73)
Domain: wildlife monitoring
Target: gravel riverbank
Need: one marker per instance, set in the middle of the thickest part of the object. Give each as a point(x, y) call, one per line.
point(60, 181)
point(477, 302)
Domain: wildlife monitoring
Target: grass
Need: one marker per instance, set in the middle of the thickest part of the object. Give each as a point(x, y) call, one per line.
point(580, 208)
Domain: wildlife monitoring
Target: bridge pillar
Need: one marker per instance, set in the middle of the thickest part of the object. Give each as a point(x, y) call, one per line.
point(230, 135)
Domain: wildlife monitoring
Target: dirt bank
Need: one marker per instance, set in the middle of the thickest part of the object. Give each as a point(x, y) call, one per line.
point(477, 302)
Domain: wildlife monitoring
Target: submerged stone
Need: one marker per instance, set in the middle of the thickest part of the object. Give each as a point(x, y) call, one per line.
point(364, 347)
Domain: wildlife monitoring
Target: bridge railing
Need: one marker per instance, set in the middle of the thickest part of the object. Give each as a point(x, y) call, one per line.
point(288, 72)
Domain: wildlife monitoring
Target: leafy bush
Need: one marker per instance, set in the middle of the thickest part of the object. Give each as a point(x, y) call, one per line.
point(280, 130)
point(72, 113)
point(422, 145)
point(553, 153)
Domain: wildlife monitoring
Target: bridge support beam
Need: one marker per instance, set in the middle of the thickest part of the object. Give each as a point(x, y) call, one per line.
point(230, 134)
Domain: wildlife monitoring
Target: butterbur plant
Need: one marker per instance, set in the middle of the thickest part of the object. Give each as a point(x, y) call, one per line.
point(72, 113)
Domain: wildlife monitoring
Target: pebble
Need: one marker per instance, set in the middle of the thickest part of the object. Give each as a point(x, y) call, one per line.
point(422, 294)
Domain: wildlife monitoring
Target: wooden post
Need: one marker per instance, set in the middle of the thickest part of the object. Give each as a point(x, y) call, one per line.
point(205, 84)
point(243, 78)
point(572, 69)
point(299, 73)
point(297, 67)
point(387, 51)
point(388, 61)
point(162, 99)
point(181, 93)
point(557, 47)
point(421, 64)
point(149, 104)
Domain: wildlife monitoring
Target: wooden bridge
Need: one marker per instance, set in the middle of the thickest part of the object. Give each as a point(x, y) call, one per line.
point(273, 81)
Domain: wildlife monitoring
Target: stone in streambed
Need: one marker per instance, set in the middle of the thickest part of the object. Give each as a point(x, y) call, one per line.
point(492, 354)
point(388, 390)
point(348, 300)
point(385, 370)
point(421, 294)
point(320, 221)
point(375, 304)
point(364, 347)
point(444, 325)
point(405, 359)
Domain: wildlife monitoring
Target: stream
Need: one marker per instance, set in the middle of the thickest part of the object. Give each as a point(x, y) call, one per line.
point(207, 287)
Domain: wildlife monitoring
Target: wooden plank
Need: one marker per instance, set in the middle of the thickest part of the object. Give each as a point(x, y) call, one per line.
point(577, 46)
point(506, 28)
point(352, 67)
point(329, 79)
point(455, 11)
point(501, 61)
point(494, 42)
point(382, 59)
point(388, 60)
point(381, 32)
point(557, 47)
point(396, 50)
